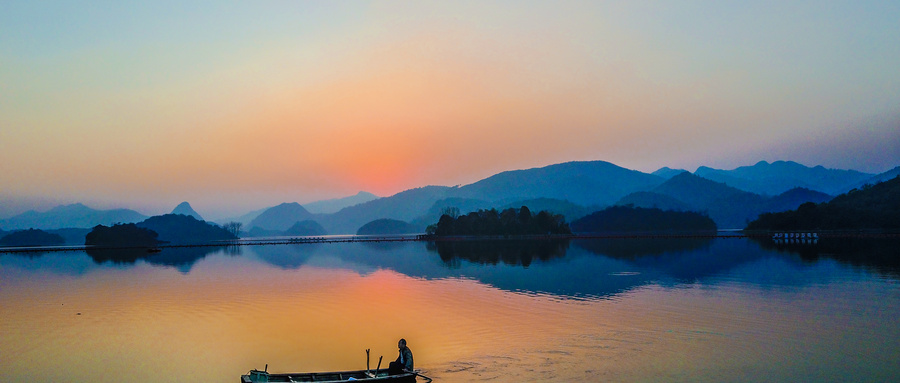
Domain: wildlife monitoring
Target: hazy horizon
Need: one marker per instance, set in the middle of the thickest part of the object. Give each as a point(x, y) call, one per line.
point(238, 106)
point(235, 212)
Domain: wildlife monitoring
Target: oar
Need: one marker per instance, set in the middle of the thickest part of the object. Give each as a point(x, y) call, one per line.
point(367, 360)
point(379, 364)
point(418, 374)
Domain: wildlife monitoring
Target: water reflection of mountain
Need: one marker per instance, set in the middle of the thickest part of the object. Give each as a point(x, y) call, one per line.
point(577, 269)
point(631, 248)
point(683, 260)
point(881, 255)
point(287, 256)
point(182, 258)
point(606, 267)
point(492, 252)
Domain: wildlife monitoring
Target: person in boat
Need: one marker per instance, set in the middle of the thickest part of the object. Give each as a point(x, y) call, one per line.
point(404, 362)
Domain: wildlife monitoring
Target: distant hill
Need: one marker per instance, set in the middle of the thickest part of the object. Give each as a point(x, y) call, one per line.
point(793, 198)
point(886, 176)
point(71, 236)
point(184, 229)
point(729, 207)
point(67, 216)
point(654, 200)
point(31, 237)
point(335, 205)
point(281, 217)
point(636, 219)
point(404, 206)
point(781, 176)
point(872, 207)
point(584, 183)
point(597, 184)
point(386, 226)
point(666, 172)
point(186, 209)
point(306, 228)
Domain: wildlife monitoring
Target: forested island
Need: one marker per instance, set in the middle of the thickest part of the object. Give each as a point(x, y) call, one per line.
point(636, 219)
point(305, 228)
point(121, 235)
point(168, 228)
point(386, 226)
point(511, 221)
point(870, 207)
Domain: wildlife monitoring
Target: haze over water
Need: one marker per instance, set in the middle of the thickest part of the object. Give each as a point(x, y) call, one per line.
point(714, 310)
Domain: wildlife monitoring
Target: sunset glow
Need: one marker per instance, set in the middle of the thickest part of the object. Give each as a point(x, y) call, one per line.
point(241, 106)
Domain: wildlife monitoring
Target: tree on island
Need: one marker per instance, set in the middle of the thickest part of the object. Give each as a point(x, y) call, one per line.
point(635, 219)
point(233, 227)
point(508, 222)
point(31, 237)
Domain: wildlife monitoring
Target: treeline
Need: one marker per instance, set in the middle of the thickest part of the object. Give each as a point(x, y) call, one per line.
point(871, 207)
point(635, 219)
point(31, 237)
point(511, 221)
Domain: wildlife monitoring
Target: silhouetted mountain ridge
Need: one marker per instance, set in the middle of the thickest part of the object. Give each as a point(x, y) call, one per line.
point(404, 206)
point(70, 216)
point(582, 182)
point(781, 176)
point(334, 205)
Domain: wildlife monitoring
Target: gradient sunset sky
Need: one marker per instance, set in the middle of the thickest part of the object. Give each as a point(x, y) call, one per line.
point(236, 106)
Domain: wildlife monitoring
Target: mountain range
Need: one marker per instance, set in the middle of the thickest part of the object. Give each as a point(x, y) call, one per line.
point(574, 189)
point(68, 216)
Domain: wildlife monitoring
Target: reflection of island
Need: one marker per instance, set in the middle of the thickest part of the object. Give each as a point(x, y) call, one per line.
point(881, 255)
point(636, 247)
point(492, 252)
point(181, 258)
point(287, 256)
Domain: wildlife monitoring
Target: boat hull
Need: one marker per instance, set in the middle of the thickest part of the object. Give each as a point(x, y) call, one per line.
point(380, 376)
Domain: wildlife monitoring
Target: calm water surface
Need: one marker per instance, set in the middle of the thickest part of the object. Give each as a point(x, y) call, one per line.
point(688, 310)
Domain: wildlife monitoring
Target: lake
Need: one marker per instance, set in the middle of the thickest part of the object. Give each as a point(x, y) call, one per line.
point(629, 310)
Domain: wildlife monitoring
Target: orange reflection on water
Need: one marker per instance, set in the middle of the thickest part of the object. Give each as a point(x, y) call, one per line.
point(229, 315)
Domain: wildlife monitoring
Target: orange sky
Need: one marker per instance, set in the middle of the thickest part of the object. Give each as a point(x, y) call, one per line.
point(245, 106)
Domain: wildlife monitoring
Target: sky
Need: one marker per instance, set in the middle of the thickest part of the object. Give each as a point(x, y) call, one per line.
point(237, 106)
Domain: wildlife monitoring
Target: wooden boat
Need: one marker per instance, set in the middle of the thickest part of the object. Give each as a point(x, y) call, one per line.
point(380, 376)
